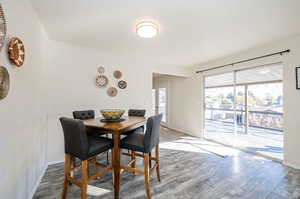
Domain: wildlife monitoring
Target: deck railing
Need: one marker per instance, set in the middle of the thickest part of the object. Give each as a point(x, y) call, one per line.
point(261, 119)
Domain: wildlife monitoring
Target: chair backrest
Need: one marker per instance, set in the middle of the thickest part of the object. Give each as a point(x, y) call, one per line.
point(137, 112)
point(151, 138)
point(76, 141)
point(84, 115)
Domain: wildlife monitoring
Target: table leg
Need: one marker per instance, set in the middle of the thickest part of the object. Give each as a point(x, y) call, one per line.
point(116, 164)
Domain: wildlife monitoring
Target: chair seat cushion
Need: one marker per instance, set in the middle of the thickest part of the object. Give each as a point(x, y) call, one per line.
point(98, 145)
point(139, 130)
point(133, 142)
point(94, 132)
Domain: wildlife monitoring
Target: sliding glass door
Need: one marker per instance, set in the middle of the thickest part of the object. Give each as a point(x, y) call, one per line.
point(219, 112)
point(245, 109)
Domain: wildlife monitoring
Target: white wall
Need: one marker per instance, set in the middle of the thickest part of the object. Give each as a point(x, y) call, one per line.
point(70, 75)
point(56, 79)
point(71, 72)
point(186, 105)
point(184, 100)
point(188, 93)
point(22, 119)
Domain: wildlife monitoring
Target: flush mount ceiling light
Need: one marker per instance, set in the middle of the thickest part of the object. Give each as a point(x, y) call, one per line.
point(146, 29)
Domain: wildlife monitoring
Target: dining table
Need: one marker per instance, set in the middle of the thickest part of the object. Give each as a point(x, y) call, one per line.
point(116, 129)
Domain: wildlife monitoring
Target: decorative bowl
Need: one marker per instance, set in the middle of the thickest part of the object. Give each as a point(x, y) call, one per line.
point(112, 114)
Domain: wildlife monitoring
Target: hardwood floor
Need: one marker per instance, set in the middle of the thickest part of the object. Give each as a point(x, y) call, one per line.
point(186, 174)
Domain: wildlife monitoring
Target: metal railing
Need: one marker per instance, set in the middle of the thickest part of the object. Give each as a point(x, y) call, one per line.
point(260, 119)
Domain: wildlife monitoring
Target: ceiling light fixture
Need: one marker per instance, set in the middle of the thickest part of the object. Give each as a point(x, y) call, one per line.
point(146, 29)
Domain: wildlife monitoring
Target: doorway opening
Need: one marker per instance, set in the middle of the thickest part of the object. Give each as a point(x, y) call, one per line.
point(160, 97)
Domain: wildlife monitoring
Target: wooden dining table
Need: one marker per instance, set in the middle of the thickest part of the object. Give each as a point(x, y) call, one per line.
point(116, 129)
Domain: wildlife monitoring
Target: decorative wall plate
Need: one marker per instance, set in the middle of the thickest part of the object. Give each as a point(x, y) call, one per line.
point(117, 74)
point(101, 81)
point(2, 27)
point(101, 69)
point(122, 84)
point(4, 82)
point(112, 92)
point(16, 51)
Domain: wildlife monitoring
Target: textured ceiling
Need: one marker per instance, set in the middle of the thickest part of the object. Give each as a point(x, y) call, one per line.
point(191, 32)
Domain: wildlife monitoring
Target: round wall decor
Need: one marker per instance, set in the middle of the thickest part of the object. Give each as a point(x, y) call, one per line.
point(101, 69)
point(122, 84)
point(117, 74)
point(16, 51)
point(4, 82)
point(101, 81)
point(112, 92)
point(2, 28)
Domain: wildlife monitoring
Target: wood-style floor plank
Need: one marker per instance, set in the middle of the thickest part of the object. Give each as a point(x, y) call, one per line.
point(188, 174)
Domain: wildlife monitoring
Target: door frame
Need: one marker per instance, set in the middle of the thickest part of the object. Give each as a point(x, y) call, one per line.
point(156, 88)
point(157, 104)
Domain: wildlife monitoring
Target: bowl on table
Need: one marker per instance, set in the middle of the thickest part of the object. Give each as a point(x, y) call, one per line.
point(112, 114)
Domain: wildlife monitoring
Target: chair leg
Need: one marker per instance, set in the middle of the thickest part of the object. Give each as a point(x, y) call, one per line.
point(72, 165)
point(94, 164)
point(107, 161)
point(84, 179)
point(157, 162)
point(133, 158)
point(112, 160)
point(150, 164)
point(67, 173)
point(88, 168)
point(147, 175)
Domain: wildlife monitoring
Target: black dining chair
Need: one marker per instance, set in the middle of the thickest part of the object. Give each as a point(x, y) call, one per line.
point(136, 113)
point(85, 115)
point(86, 148)
point(144, 143)
point(89, 114)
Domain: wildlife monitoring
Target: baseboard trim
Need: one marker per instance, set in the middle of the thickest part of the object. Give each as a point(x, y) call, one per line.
point(178, 130)
point(55, 162)
point(38, 182)
point(291, 165)
point(41, 177)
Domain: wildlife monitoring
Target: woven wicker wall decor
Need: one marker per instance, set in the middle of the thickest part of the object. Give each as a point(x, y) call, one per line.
point(122, 84)
point(4, 82)
point(101, 81)
point(117, 74)
point(16, 51)
point(101, 69)
point(112, 92)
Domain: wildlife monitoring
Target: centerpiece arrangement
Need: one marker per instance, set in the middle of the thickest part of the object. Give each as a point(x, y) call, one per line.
point(112, 115)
